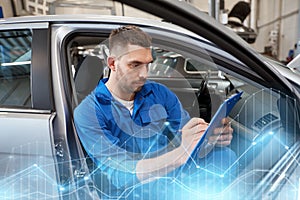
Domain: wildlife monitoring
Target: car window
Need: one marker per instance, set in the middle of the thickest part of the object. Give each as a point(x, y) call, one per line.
point(15, 66)
point(194, 66)
point(171, 64)
point(163, 66)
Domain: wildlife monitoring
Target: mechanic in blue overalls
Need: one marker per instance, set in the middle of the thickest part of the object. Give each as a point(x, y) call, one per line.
point(138, 134)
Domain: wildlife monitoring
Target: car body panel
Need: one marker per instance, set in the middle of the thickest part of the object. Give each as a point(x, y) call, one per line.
point(29, 169)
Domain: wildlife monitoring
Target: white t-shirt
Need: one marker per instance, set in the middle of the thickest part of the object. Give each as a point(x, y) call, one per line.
point(127, 104)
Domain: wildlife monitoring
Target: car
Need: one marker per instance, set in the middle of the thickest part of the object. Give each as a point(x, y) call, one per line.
point(49, 64)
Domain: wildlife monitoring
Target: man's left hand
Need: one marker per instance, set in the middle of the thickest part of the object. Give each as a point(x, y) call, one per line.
point(222, 136)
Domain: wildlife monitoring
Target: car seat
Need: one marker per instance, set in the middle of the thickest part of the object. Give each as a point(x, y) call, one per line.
point(87, 76)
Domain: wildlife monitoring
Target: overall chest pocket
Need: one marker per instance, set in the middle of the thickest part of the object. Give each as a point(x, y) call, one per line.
point(156, 115)
point(154, 121)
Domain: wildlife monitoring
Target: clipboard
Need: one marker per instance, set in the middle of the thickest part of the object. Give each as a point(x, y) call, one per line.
point(222, 112)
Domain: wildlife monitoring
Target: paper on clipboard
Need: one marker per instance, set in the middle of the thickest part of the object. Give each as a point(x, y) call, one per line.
point(215, 122)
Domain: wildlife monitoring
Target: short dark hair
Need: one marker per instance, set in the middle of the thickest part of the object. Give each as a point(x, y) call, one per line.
point(129, 34)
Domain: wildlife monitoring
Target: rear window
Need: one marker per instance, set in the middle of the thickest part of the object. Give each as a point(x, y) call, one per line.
point(15, 68)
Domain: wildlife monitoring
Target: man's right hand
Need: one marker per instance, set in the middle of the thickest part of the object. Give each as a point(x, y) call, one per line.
point(191, 134)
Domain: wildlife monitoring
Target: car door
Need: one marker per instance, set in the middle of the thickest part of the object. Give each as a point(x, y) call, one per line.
point(28, 166)
point(264, 122)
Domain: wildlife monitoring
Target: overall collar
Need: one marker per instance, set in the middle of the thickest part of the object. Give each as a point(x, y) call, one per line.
point(104, 96)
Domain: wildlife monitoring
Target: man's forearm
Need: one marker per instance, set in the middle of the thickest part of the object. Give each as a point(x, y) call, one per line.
point(159, 166)
point(152, 168)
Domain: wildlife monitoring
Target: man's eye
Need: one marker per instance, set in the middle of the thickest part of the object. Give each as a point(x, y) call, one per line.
point(135, 65)
point(139, 65)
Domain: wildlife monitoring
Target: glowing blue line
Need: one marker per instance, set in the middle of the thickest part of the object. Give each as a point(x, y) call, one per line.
point(237, 160)
point(278, 140)
point(298, 189)
point(43, 172)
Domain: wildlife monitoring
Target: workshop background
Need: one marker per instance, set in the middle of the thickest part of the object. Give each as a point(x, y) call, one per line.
point(270, 26)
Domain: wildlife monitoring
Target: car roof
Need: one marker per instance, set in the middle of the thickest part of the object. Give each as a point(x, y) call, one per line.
point(84, 18)
point(70, 18)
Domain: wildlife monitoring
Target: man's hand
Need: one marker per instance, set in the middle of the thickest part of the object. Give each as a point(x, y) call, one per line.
point(222, 136)
point(191, 134)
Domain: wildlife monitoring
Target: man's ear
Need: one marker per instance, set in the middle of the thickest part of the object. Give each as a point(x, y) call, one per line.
point(111, 63)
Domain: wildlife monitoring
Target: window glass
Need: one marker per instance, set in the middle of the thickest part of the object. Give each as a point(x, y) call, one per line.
point(163, 66)
point(15, 66)
point(168, 63)
point(192, 66)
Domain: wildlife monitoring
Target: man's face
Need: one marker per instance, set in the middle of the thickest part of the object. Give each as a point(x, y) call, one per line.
point(131, 68)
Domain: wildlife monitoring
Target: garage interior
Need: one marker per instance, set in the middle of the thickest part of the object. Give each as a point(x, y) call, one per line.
point(269, 26)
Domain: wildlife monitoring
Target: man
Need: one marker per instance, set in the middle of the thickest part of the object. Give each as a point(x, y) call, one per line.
point(136, 131)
